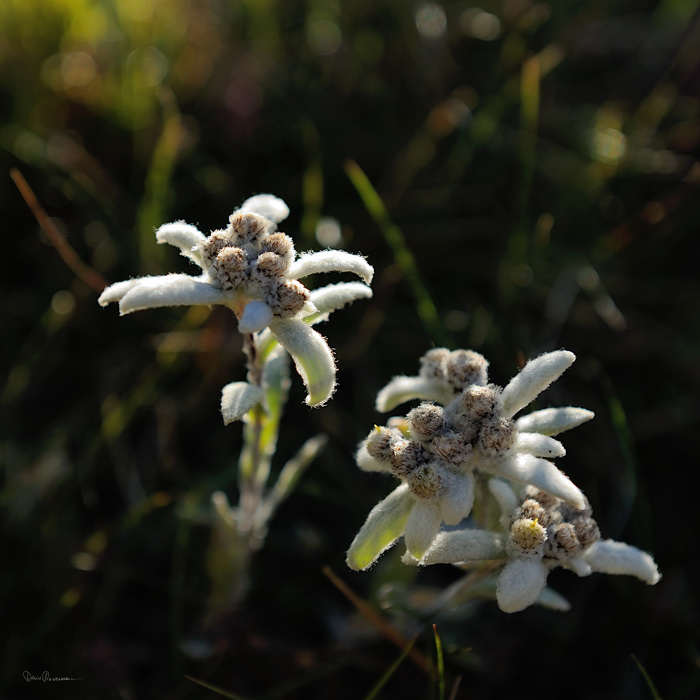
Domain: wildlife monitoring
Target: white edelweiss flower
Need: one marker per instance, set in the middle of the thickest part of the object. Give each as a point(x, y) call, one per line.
point(468, 430)
point(541, 533)
point(251, 268)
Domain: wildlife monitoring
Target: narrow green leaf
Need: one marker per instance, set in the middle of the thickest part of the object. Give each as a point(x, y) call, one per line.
point(440, 664)
point(384, 525)
point(647, 678)
point(215, 689)
point(390, 671)
point(427, 311)
point(292, 471)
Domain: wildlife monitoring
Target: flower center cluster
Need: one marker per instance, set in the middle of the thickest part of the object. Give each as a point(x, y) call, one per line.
point(247, 258)
point(545, 526)
point(433, 440)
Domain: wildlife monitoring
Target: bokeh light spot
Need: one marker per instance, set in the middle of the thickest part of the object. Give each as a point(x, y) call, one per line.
point(324, 37)
point(431, 21)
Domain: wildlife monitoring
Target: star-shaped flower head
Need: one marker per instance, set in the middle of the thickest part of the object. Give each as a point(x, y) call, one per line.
point(541, 532)
point(468, 428)
point(254, 270)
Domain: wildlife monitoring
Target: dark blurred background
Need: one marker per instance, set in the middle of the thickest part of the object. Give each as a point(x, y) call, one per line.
point(540, 160)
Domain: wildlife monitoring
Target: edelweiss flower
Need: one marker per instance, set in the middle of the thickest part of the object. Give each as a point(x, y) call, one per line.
point(541, 533)
point(253, 270)
point(437, 449)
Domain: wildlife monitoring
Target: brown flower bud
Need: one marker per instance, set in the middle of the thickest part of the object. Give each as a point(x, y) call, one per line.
point(426, 420)
point(497, 436)
point(247, 228)
point(280, 244)
point(465, 367)
point(452, 447)
point(288, 299)
point(564, 535)
point(379, 443)
point(433, 364)
point(407, 456)
point(271, 264)
point(425, 482)
point(229, 268)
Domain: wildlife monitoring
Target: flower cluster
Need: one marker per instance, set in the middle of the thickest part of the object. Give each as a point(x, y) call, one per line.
point(254, 270)
point(465, 429)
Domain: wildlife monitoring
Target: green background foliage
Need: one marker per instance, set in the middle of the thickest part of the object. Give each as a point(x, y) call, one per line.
point(523, 176)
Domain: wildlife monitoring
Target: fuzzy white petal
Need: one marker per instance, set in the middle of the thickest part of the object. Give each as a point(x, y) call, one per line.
point(540, 473)
point(422, 526)
point(367, 463)
point(256, 316)
point(169, 290)
point(267, 205)
point(330, 261)
point(539, 445)
point(311, 354)
point(183, 236)
point(533, 379)
point(506, 499)
point(549, 598)
point(334, 296)
point(237, 398)
point(401, 389)
point(611, 557)
point(117, 290)
point(552, 421)
point(457, 500)
point(464, 546)
point(578, 566)
point(384, 525)
point(520, 584)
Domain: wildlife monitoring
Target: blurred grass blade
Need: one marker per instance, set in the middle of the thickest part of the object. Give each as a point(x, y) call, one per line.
point(403, 256)
point(390, 671)
point(90, 276)
point(440, 664)
point(215, 689)
point(372, 616)
point(652, 688)
point(152, 209)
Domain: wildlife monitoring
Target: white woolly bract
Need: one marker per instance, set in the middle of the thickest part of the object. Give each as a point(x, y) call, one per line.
point(312, 357)
point(402, 389)
point(330, 261)
point(267, 205)
point(117, 290)
point(422, 526)
point(533, 379)
point(520, 584)
point(237, 398)
point(384, 525)
point(464, 546)
point(334, 296)
point(540, 473)
point(611, 557)
point(156, 292)
point(457, 499)
point(256, 316)
point(506, 499)
point(552, 421)
point(538, 445)
point(183, 236)
point(549, 598)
